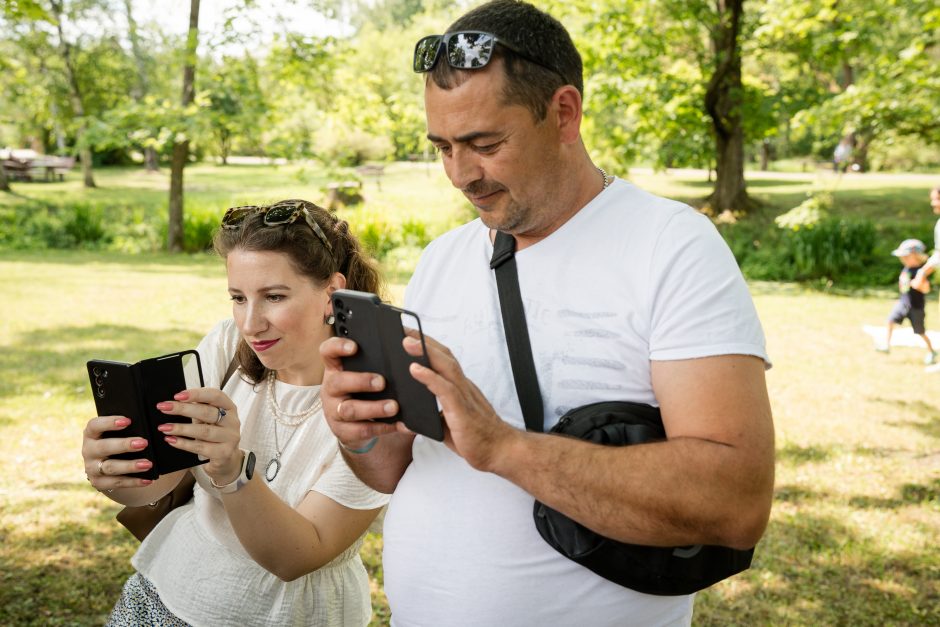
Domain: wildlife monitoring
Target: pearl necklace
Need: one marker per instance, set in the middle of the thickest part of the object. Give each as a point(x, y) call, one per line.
point(607, 177)
point(274, 465)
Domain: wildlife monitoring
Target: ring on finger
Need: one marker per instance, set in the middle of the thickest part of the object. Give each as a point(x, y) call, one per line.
point(222, 413)
point(101, 467)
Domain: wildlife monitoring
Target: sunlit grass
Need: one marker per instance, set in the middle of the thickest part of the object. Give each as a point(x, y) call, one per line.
point(856, 520)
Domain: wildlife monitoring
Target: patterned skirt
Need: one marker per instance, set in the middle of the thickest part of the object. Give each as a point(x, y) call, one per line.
point(141, 605)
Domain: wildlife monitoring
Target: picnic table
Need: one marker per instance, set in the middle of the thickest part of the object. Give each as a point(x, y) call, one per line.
point(43, 167)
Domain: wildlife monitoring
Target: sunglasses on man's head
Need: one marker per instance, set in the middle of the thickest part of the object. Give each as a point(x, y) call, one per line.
point(464, 50)
point(277, 214)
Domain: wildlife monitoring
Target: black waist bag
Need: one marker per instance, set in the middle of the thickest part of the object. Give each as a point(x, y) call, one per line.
point(653, 570)
point(648, 569)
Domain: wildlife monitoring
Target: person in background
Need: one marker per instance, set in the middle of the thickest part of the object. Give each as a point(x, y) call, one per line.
point(628, 296)
point(278, 545)
point(911, 303)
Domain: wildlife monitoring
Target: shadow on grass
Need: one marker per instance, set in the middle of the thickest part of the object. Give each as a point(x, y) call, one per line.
point(815, 570)
point(60, 354)
point(798, 494)
point(929, 414)
point(909, 494)
point(70, 574)
point(794, 454)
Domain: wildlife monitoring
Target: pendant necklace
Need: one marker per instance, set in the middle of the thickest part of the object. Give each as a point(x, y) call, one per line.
point(274, 465)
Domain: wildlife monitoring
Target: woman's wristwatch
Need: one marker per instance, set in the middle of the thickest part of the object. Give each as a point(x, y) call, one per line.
point(247, 472)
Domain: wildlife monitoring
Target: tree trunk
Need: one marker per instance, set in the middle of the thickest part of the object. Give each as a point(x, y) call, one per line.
point(764, 155)
point(174, 234)
point(723, 100)
point(78, 108)
point(151, 163)
point(4, 183)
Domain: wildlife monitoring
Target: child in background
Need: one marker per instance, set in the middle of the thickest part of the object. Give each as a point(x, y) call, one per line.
point(910, 304)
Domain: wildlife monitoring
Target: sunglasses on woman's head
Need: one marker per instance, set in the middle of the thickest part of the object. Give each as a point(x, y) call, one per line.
point(464, 50)
point(277, 214)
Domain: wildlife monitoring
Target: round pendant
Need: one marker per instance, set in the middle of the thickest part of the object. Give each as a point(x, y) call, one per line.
point(271, 470)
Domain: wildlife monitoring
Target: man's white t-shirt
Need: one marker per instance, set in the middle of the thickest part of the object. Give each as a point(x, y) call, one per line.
point(630, 278)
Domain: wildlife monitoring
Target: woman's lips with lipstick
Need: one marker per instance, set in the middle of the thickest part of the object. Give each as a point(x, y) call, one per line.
point(263, 346)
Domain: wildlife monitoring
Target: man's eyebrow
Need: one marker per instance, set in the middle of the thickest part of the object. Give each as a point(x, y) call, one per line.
point(463, 139)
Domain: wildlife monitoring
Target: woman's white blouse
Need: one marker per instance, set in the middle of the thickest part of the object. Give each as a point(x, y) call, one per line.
point(195, 561)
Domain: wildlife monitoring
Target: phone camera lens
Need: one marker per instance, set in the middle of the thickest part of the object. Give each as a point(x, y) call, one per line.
point(343, 331)
point(338, 303)
point(97, 372)
point(99, 381)
point(100, 392)
point(341, 316)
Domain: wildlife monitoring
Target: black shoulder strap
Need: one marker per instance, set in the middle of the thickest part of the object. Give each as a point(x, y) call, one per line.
point(232, 367)
point(517, 333)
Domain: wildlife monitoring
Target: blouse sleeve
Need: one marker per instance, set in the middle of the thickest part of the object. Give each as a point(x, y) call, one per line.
point(339, 483)
point(216, 351)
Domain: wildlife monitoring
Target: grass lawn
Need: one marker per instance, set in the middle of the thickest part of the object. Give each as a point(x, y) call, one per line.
point(856, 522)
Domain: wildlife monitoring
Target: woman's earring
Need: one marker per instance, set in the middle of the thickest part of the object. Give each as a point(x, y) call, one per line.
point(329, 320)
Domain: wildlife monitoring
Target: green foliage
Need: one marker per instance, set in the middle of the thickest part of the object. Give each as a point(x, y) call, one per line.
point(52, 226)
point(199, 225)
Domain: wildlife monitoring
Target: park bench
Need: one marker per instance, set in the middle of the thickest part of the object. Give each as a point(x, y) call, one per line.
point(375, 171)
point(17, 170)
point(46, 167)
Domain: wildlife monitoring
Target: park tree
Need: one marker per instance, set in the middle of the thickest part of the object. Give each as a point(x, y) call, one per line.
point(237, 108)
point(66, 51)
point(873, 65)
point(670, 73)
point(141, 88)
point(181, 145)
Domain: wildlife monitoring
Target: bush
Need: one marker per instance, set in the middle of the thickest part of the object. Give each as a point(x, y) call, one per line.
point(41, 226)
point(807, 243)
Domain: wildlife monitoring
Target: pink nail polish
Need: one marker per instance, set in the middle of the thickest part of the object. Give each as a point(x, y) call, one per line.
point(165, 427)
point(181, 396)
point(164, 406)
point(138, 443)
point(145, 482)
point(122, 422)
point(143, 465)
point(170, 439)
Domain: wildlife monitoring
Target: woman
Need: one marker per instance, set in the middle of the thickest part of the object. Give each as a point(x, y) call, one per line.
point(283, 546)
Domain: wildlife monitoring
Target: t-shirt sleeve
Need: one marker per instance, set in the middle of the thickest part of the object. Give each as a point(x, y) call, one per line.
point(340, 483)
point(700, 305)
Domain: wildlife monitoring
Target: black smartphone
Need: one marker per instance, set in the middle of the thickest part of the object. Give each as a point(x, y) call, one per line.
point(133, 390)
point(378, 329)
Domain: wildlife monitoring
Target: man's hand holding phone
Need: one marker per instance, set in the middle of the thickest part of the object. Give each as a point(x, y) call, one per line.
point(354, 420)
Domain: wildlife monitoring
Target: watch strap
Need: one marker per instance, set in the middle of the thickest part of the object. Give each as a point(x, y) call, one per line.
point(244, 475)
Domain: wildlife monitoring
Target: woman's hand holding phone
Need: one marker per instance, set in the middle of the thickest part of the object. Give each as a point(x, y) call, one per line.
point(103, 472)
point(214, 433)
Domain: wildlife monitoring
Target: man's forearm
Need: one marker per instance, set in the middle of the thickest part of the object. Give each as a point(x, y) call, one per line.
point(383, 466)
point(684, 491)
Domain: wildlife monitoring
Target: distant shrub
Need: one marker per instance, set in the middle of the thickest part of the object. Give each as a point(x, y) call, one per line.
point(808, 243)
point(41, 226)
point(199, 225)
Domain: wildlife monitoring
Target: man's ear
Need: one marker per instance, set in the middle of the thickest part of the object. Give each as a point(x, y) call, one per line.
point(566, 106)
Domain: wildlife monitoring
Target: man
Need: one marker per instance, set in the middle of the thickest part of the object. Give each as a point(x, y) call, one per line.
point(627, 297)
point(919, 282)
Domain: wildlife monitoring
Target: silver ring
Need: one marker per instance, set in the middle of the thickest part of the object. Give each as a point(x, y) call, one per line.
point(100, 467)
point(221, 415)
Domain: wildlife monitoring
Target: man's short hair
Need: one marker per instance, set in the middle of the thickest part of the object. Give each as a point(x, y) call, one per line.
point(534, 32)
